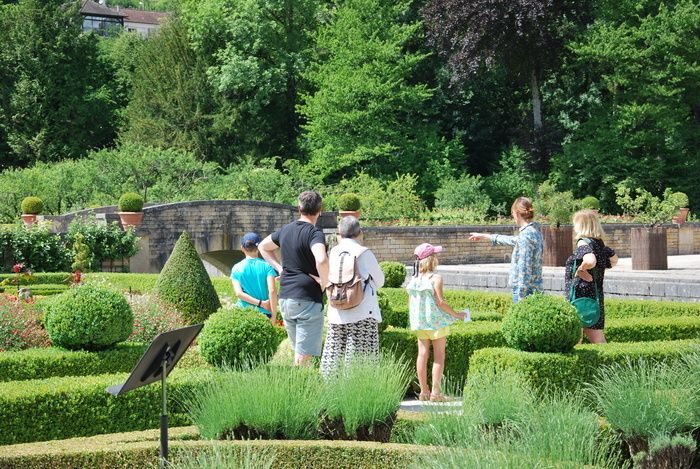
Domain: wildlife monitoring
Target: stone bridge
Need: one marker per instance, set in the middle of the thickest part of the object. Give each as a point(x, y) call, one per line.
point(215, 227)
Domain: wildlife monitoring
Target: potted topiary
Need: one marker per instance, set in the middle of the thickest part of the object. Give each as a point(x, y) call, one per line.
point(349, 205)
point(31, 207)
point(131, 210)
point(558, 208)
point(591, 203)
point(648, 243)
point(680, 200)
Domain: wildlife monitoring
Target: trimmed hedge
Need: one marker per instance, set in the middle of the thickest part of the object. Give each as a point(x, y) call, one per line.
point(41, 363)
point(66, 407)
point(41, 278)
point(145, 283)
point(42, 289)
point(571, 370)
point(500, 302)
point(467, 338)
point(140, 449)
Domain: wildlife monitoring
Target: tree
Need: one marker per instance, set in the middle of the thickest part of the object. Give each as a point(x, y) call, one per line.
point(366, 112)
point(643, 124)
point(523, 35)
point(172, 103)
point(257, 51)
point(54, 101)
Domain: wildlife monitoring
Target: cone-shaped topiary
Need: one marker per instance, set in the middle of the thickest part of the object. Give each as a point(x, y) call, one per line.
point(89, 317)
point(542, 323)
point(185, 284)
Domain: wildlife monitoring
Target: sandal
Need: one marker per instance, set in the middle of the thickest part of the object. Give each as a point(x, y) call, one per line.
point(424, 396)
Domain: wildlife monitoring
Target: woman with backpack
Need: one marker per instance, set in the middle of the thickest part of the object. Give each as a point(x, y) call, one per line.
point(353, 303)
point(584, 270)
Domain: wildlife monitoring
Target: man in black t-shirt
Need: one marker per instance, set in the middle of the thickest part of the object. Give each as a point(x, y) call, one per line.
point(303, 276)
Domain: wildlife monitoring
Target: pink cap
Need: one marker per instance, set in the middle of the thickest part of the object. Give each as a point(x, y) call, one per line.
point(426, 250)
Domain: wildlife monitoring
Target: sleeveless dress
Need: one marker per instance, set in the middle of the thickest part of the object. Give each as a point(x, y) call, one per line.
point(425, 317)
point(587, 289)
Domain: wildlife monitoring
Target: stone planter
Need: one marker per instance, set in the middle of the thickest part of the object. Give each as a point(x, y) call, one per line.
point(130, 219)
point(29, 219)
point(349, 213)
point(649, 249)
point(682, 216)
point(558, 245)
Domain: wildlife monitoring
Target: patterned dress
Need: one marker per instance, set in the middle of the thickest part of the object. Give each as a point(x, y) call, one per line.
point(423, 311)
point(587, 289)
point(526, 262)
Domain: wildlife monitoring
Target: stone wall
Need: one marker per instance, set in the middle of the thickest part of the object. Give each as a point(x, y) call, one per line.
point(397, 244)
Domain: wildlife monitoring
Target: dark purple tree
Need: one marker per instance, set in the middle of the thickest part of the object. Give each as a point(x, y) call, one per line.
point(525, 36)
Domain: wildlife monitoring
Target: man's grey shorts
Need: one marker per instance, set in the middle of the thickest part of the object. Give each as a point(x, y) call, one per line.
point(304, 323)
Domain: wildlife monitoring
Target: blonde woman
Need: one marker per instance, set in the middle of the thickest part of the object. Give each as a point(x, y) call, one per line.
point(591, 258)
point(430, 317)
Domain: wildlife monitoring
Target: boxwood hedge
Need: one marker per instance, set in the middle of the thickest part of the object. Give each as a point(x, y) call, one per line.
point(500, 302)
point(65, 407)
point(42, 363)
point(140, 449)
point(467, 338)
point(570, 370)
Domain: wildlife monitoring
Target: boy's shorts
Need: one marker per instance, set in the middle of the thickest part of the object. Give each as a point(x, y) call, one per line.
point(304, 323)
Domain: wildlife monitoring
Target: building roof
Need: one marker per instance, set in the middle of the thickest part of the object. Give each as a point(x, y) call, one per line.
point(143, 16)
point(90, 7)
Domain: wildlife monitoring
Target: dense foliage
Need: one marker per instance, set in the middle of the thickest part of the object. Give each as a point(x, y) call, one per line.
point(394, 274)
point(185, 284)
point(89, 317)
point(542, 323)
point(459, 105)
point(130, 202)
point(238, 336)
point(32, 205)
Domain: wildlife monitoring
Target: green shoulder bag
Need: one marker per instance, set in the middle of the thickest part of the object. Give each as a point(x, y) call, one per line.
point(588, 309)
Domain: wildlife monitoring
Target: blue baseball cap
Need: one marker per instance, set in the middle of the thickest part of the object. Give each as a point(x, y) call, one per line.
point(250, 240)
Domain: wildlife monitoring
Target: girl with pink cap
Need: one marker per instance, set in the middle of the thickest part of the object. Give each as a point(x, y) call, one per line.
point(430, 316)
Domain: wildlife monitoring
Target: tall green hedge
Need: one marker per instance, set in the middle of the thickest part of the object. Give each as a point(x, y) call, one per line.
point(185, 284)
point(41, 363)
point(571, 370)
point(66, 407)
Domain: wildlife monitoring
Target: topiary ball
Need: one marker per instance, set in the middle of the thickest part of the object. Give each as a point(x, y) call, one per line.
point(185, 284)
point(88, 317)
point(238, 336)
point(349, 202)
point(542, 323)
point(591, 203)
point(394, 274)
point(130, 202)
point(32, 205)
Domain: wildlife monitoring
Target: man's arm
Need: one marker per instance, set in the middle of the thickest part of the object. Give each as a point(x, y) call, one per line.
point(268, 251)
point(319, 252)
point(272, 291)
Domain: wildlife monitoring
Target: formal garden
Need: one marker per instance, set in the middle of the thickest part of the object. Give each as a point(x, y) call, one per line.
point(435, 112)
point(530, 394)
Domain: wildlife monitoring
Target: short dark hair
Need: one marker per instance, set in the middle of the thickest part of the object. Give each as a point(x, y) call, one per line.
point(310, 203)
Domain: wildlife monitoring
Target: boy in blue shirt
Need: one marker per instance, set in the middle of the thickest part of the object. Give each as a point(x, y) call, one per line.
point(254, 279)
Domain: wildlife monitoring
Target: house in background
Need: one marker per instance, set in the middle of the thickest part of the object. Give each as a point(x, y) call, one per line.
point(144, 22)
point(106, 21)
point(100, 19)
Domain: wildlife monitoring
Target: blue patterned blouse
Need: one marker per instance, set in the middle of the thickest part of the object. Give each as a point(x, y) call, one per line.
point(526, 261)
